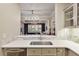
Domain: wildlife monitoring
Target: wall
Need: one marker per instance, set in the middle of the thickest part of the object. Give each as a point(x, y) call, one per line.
point(59, 17)
point(9, 22)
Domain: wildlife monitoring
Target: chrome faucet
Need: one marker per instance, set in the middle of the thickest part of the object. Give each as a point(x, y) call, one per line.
point(40, 36)
point(41, 33)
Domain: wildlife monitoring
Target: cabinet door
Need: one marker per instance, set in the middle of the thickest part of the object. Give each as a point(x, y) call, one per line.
point(71, 53)
point(60, 51)
point(14, 52)
point(33, 51)
point(48, 52)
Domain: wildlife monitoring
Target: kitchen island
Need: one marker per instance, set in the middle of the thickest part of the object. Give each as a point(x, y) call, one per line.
point(59, 47)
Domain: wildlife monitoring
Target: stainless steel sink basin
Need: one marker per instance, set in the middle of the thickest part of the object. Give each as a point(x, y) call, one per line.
point(41, 43)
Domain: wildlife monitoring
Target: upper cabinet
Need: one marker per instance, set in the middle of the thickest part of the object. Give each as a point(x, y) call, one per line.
point(77, 14)
point(71, 15)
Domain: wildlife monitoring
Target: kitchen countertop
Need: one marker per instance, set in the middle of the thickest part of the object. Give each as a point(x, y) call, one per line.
point(22, 43)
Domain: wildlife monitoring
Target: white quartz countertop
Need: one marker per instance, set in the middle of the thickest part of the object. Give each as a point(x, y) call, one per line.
point(21, 43)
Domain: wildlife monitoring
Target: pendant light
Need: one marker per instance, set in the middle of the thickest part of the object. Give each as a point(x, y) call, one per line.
point(32, 16)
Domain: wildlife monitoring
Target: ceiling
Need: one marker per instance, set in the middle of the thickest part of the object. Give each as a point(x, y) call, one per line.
point(38, 8)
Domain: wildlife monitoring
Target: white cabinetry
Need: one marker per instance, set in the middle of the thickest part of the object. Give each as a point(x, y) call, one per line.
point(71, 15)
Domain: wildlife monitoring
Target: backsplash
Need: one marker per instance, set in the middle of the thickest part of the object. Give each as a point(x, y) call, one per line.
point(69, 34)
point(28, 37)
point(75, 35)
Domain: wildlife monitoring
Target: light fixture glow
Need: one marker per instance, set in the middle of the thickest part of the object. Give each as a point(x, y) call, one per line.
point(32, 16)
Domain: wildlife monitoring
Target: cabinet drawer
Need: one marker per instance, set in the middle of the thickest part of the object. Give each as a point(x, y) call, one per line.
point(49, 52)
point(60, 51)
point(33, 52)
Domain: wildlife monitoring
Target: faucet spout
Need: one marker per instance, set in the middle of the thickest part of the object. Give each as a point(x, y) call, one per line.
point(41, 35)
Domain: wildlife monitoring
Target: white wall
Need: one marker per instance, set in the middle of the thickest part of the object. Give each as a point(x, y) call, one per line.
point(9, 22)
point(59, 17)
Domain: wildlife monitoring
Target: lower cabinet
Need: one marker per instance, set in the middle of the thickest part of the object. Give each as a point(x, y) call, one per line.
point(46, 52)
point(38, 52)
point(14, 52)
point(33, 51)
point(60, 51)
point(71, 53)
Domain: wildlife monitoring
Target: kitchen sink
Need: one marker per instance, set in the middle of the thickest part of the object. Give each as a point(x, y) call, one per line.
point(41, 43)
